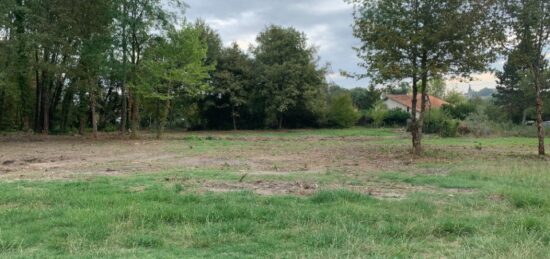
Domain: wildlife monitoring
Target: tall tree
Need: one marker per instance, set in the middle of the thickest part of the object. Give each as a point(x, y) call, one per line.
point(173, 66)
point(510, 95)
point(529, 20)
point(93, 41)
point(135, 22)
point(423, 39)
point(287, 71)
point(232, 80)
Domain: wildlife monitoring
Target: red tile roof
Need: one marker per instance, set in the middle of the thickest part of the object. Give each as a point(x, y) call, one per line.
point(406, 100)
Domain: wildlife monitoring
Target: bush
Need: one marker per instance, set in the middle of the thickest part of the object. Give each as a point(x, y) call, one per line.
point(396, 117)
point(459, 111)
point(438, 122)
point(479, 125)
point(380, 116)
point(377, 115)
point(341, 112)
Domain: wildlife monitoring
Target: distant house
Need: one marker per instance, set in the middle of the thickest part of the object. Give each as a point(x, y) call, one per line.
point(404, 102)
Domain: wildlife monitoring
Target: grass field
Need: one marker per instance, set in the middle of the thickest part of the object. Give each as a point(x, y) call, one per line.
point(298, 194)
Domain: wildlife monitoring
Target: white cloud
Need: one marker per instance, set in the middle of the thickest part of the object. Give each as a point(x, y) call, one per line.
point(320, 36)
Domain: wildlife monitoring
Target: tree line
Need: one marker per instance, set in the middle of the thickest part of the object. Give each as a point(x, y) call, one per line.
point(78, 66)
point(125, 65)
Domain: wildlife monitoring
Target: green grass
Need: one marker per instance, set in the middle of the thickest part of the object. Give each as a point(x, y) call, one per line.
point(107, 218)
point(468, 205)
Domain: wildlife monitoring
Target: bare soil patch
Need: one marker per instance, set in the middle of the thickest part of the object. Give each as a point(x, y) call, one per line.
point(52, 157)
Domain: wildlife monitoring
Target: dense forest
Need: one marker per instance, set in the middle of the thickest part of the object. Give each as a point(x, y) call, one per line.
point(78, 66)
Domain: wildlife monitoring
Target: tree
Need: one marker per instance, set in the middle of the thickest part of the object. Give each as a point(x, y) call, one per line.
point(232, 80)
point(173, 67)
point(437, 87)
point(454, 97)
point(365, 99)
point(135, 21)
point(402, 88)
point(341, 111)
point(419, 40)
point(93, 41)
point(510, 95)
point(529, 20)
point(288, 76)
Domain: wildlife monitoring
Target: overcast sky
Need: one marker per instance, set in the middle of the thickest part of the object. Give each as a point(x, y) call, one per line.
point(327, 24)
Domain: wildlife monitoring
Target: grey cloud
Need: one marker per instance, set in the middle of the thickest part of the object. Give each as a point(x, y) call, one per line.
point(327, 24)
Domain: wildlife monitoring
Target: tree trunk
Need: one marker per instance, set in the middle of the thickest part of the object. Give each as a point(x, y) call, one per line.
point(423, 96)
point(94, 114)
point(124, 110)
point(163, 117)
point(281, 121)
point(134, 119)
point(233, 115)
point(416, 141)
point(81, 124)
point(38, 103)
point(45, 107)
point(539, 106)
point(22, 65)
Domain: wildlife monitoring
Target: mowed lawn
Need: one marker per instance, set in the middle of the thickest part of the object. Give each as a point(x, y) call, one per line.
point(467, 197)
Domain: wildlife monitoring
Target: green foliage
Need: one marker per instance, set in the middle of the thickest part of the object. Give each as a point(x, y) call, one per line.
point(288, 76)
point(378, 114)
point(381, 116)
point(232, 81)
point(396, 117)
point(341, 111)
point(403, 88)
point(365, 99)
point(479, 124)
point(437, 87)
point(423, 40)
point(437, 122)
point(459, 111)
point(174, 68)
point(455, 98)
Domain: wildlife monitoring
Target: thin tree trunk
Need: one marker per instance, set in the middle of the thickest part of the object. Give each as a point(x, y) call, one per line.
point(38, 103)
point(163, 118)
point(1, 108)
point(281, 121)
point(416, 141)
point(124, 110)
point(94, 114)
point(134, 120)
point(81, 124)
point(233, 115)
point(538, 108)
point(423, 96)
point(45, 107)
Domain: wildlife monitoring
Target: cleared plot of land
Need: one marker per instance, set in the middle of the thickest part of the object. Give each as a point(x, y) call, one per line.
point(326, 193)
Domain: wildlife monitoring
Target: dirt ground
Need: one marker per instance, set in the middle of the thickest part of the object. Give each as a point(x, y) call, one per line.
point(52, 157)
point(31, 157)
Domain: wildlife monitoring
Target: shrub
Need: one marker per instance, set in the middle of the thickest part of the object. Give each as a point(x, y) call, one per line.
point(479, 125)
point(396, 117)
point(378, 114)
point(459, 111)
point(438, 122)
point(341, 112)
